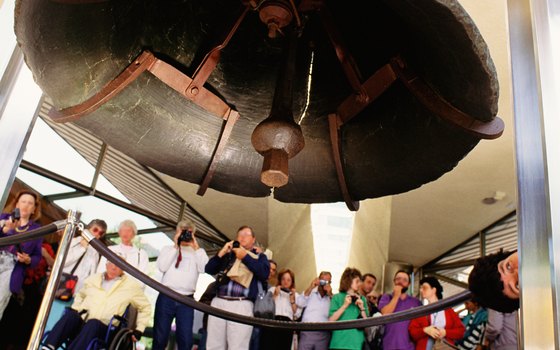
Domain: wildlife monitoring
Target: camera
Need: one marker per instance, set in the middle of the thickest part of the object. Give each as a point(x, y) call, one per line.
point(323, 282)
point(235, 244)
point(16, 215)
point(287, 290)
point(185, 236)
point(354, 298)
point(404, 290)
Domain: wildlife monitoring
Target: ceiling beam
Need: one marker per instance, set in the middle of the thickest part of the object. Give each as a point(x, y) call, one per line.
point(88, 191)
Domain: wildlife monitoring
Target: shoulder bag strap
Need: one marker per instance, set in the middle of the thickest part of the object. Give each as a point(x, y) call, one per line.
point(78, 263)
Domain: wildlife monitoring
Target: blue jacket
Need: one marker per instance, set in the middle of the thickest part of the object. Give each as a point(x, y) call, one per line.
point(259, 267)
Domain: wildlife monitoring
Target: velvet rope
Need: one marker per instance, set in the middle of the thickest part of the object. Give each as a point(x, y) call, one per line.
point(261, 322)
point(33, 234)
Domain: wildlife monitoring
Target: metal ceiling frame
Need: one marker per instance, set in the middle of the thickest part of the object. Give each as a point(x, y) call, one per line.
point(89, 191)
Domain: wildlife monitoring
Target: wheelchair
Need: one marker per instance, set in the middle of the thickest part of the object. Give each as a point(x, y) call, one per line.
point(118, 335)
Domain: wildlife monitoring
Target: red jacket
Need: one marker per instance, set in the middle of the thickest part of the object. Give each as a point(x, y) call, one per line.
point(454, 329)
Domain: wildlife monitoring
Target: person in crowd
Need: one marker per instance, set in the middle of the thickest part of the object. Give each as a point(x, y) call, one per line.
point(15, 259)
point(206, 298)
point(273, 275)
point(374, 334)
point(254, 344)
point(396, 334)
point(82, 260)
point(286, 310)
point(348, 305)
point(181, 264)
point(316, 301)
point(238, 269)
point(373, 299)
point(501, 331)
point(440, 326)
point(475, 325)
point(134, 256)
point(102, 296)
point(368, 284)
point(494, 280)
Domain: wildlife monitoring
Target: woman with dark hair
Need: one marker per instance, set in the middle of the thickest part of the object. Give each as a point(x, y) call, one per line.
point(437, 328)
point(494, 280)
point(286, 310)
point(348, 305)
point(20, 216)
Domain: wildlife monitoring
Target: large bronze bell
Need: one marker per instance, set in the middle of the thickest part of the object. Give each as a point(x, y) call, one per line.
point(385, 95)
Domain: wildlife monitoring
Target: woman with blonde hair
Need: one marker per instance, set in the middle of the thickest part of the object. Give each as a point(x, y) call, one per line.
point(348, 305)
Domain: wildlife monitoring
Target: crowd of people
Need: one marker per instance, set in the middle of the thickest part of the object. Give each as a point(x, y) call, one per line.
point(240, 269)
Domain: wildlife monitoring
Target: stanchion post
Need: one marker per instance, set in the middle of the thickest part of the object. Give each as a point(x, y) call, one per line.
point(73, 219)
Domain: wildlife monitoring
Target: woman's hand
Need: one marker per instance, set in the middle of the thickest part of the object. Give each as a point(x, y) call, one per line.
point(442, 333)
point(277, 290)
point(347, 301)
point(23, 258)
point(9, 225)
point(359, 303)
point(432, 331)
point(293, 295)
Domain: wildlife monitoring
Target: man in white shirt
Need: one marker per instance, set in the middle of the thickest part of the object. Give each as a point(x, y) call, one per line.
point(181, 264)
point(316, 300)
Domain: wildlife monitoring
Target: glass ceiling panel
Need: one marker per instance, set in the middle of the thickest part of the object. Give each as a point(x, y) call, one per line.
point(41, 184)
point(93, 208)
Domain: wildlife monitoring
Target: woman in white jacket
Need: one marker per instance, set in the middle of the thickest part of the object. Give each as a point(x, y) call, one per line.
point(83, 258)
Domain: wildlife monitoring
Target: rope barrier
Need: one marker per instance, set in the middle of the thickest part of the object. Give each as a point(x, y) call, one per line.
point(261, 322)
point(33, 234)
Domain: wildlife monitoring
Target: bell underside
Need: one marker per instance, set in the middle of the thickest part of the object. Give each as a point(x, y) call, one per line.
point(395, 143)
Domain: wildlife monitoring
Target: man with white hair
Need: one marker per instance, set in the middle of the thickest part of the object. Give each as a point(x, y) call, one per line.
point(181, 264)
point(134, 256)
point(103, 296)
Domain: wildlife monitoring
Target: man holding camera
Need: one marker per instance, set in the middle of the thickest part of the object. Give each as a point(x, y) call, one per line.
point(316, 300)
point(180, 264)
point(238, 269)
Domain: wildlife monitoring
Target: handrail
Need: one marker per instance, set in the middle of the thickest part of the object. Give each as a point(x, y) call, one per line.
point(33, 234)
point(72, 222)
point(299, 326)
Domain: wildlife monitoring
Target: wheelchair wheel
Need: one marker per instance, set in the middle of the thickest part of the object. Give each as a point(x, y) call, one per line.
point(122, 340)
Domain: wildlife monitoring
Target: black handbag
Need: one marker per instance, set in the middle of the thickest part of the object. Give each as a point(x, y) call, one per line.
point(67, 283)
point(264, 304)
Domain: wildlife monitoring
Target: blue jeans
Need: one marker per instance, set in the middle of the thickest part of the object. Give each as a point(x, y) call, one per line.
point(166, 310)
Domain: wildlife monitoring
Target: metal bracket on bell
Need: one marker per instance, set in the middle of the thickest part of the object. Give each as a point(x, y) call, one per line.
point(334, 129)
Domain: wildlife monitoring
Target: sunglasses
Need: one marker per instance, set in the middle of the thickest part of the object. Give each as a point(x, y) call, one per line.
point(97, 230)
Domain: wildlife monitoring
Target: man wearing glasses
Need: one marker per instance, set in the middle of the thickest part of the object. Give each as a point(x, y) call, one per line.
point(396, 334)
point(316, 300)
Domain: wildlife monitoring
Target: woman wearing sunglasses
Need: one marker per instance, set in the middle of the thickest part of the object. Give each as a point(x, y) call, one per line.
point(83, 258)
